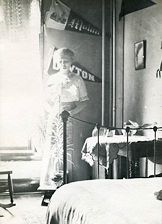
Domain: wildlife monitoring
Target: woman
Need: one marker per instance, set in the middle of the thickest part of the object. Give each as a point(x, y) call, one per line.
point(65, 91)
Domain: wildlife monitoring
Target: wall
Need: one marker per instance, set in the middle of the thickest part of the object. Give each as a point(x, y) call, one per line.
point(88, 52)
point(142, 97)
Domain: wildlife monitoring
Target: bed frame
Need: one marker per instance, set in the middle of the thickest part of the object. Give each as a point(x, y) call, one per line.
point(65, 115)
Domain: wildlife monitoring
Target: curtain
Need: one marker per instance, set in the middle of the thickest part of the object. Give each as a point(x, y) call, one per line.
point(16, 18)
point(20, 72)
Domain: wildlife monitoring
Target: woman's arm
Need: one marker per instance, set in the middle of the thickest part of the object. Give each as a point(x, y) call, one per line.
point(80, 105)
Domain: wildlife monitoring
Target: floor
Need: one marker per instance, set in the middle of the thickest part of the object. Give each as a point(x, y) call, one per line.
point(28, 210)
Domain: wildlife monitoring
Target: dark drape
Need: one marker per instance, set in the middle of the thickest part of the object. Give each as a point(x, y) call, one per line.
point(129, 6)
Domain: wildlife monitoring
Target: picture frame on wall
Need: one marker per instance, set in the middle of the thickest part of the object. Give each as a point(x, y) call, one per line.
point(140, 54)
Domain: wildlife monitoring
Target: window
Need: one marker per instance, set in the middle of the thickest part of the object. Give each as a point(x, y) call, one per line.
point(20, 72)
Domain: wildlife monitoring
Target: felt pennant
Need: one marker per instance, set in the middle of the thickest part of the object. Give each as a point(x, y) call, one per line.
point(76, 68)
point(61, 17)
point(84, 73)
point(129, 6)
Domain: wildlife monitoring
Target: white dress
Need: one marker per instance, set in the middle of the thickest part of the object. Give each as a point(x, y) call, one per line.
point(62, 93)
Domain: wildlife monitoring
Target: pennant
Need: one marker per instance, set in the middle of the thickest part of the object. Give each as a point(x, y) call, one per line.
point(78, 24)
point(84, 73)
point(61, 17)
point(129, 6)
point(50, 66)
point(75, 68)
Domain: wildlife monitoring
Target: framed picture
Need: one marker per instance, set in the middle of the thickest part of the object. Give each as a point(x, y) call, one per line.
point(140, 54)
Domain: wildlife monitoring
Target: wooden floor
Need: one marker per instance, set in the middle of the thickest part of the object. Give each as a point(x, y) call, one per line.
point(28, 210)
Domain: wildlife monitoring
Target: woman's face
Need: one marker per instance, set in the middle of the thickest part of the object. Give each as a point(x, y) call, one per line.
point(64, 64)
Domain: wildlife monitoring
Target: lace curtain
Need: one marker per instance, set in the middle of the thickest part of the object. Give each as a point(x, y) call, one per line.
point(20, 71)
point(16, 18)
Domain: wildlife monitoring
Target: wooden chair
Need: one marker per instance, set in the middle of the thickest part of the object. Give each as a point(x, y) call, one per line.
point(10, 188)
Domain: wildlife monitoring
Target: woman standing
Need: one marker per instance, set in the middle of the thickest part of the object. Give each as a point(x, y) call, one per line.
point(65, 91)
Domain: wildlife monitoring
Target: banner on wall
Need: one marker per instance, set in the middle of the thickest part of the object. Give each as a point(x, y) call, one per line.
point(84, 73)
point(76, 68)
point(132, 6)
point(61, 17)
point(79, 70)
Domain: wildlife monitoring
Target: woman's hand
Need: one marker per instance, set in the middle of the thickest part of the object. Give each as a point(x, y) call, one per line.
point(80, 105)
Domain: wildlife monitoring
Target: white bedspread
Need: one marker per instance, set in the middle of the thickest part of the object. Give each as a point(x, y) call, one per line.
point(127, 201)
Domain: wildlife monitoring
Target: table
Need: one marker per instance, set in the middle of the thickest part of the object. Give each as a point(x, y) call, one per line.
point(106, 150)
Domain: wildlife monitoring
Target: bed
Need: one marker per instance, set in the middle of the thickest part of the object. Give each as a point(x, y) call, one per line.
point(107, 201)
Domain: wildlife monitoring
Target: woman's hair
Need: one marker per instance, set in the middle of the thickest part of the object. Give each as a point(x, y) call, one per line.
point(63, 52)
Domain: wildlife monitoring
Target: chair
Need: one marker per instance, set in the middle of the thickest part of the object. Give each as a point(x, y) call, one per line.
point(10, 189)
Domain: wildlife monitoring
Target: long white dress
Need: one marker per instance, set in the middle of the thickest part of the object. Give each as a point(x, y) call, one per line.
point(62, 93)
